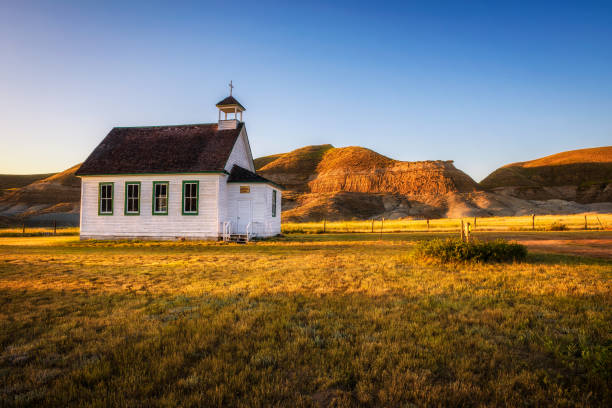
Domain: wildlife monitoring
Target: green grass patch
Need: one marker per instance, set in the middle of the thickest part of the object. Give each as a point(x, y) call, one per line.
point(455, 250)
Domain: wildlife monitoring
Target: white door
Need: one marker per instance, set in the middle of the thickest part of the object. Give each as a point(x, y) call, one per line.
point(244, 215)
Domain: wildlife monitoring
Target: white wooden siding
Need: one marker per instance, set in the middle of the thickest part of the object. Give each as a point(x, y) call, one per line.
point(240, 154)
point(228, 124)
point(222, 213)
point(171, 226)
point(260, 196)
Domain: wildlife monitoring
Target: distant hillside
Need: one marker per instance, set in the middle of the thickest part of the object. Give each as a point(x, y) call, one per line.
point(354, 182)
point(262, 161)
point(12, 181)
point(295, 169)
point(55, 197)
point(325, 182)
point(583, 175)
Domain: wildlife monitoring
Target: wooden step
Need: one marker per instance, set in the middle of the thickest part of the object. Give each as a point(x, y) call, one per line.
point(239, 238)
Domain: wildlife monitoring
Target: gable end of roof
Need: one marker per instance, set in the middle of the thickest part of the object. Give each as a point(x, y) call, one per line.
point(241, 175)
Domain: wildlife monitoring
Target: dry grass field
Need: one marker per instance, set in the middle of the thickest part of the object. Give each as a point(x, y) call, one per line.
point(304, 320)
point(522, 223)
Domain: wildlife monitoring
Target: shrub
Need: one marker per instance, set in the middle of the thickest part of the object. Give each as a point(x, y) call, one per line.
point(455, 250)
point(557, 226)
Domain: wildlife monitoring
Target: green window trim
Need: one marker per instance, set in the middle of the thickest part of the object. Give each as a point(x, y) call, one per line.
point(112, 186)
point(197, 197)
point(274, 199)
point(153, 200)
point(125, 204)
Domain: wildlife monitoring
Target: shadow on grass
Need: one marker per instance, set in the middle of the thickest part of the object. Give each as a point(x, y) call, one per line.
point(76, 348)
point(541, 258)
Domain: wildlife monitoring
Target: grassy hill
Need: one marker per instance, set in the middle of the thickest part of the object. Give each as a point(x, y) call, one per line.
point(12, 181)
point(54, 197)
point(575, 167)
point(262, 161)
point(294, 169)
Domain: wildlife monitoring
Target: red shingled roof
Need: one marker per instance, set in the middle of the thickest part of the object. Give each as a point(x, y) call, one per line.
point(162, 149)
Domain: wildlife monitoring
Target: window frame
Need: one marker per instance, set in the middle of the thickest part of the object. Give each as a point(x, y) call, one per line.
point(112, 198)
point(197, 197)
point(274, 203)
point(153, 199)
point(125, 204)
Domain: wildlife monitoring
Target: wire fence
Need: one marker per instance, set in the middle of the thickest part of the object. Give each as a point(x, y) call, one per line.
point(519, 223)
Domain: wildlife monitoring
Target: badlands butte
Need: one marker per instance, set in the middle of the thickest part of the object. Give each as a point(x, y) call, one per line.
point(357, 183)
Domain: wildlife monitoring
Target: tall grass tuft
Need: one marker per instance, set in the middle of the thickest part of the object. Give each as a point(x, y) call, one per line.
point(455, 250)
point(557, 226)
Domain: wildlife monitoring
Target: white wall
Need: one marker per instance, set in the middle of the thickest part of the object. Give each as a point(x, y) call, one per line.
point(173, 225)
point(240, 154)
point(260, 197)
point(223, 211)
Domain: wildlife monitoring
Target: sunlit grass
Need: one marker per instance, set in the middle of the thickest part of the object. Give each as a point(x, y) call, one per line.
point(38, 231)
point(542, 222)
point(296, 324)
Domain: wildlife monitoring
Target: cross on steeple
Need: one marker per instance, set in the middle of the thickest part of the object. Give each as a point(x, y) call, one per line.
point(230, 106)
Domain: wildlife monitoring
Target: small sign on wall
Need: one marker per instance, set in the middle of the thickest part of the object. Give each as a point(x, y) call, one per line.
point(245, 189)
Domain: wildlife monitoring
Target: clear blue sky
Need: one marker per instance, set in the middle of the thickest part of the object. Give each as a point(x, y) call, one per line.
point(481, 83)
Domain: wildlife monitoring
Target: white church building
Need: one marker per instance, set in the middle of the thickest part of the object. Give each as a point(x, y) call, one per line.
point(178, 182)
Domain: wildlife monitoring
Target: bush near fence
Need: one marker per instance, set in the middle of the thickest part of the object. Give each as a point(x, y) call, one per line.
point(455, 250)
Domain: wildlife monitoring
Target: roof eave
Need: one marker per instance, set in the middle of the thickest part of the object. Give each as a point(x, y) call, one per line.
point(231, 105)
point(153, 173)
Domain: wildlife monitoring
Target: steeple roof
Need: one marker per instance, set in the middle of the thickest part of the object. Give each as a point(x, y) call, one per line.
point(230, 101)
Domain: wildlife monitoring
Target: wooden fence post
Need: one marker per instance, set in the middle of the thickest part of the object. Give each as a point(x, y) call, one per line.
point(54, 227)
point(462, 231)
point(23, 229)
point(474, 221)
point(599, 221)
point(467, 232)
point(533, 221)
point(586, 226)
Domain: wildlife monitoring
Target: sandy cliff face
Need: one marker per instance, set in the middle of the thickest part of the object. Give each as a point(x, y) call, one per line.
point(324, 169)
point(409, 179)
point(354, 182)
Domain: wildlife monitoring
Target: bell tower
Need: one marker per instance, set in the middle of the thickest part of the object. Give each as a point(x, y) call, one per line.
point(229, 106)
